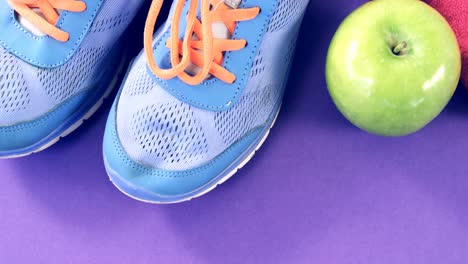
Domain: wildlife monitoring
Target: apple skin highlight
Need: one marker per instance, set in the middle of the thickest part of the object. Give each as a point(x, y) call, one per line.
point(456, 13)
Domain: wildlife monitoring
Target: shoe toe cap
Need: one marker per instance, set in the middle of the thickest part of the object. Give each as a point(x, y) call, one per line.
point(153, 184)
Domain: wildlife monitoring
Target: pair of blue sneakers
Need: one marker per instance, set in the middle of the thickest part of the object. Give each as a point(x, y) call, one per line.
point(193, 108)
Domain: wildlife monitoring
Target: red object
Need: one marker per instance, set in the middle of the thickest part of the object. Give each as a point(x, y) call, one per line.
point(456, 13)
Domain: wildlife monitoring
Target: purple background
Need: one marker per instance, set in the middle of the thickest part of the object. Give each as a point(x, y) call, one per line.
point(319, 191)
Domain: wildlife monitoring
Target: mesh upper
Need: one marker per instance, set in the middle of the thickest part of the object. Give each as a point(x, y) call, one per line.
point(286, 12)
point(14, 92)
point(158, 130)
point(63, 82)
point(170, 131)
point(28, 92)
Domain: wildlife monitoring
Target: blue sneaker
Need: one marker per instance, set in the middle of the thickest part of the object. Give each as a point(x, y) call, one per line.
point(194, 109)
point(58, 60)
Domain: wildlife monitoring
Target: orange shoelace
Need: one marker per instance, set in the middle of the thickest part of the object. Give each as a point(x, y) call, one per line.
point(204, 51)
point(48, 8)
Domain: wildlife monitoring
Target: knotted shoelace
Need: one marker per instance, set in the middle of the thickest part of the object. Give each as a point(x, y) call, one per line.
point(198, 46)
point(46, 22)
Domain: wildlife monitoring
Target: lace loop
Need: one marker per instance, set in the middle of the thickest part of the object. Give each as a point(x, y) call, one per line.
point(204, 51)
point(48, 8)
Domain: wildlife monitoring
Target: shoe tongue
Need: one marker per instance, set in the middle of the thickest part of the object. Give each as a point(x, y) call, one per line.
point(220, 31)
point(29, 26)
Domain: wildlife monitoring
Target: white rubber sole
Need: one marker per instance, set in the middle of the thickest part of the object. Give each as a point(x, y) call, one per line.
point(80, 122)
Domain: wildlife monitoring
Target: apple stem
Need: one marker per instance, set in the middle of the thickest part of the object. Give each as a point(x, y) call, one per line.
point(399, 49)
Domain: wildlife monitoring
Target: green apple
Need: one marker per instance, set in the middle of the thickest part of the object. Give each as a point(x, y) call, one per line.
point(393, 66)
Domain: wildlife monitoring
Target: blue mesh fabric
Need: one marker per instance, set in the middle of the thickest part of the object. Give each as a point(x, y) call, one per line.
point(28, 92)
point(158, 130)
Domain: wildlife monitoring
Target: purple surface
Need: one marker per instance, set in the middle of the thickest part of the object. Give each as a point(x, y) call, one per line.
point(319, 191)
